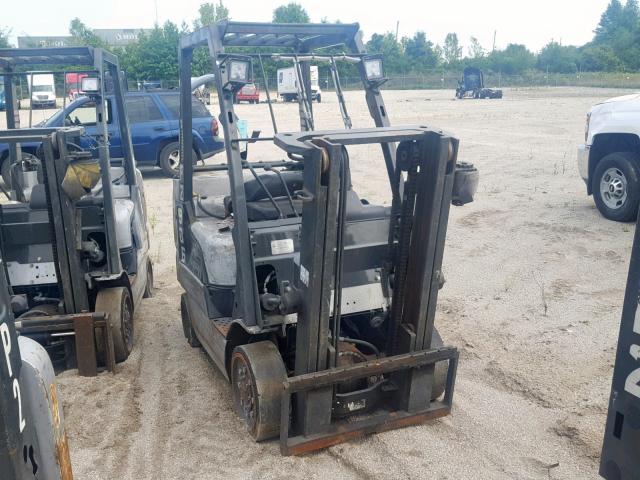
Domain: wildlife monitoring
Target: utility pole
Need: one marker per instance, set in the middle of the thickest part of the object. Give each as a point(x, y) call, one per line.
point(495, 32)
point(155, 3)
point(397, 29)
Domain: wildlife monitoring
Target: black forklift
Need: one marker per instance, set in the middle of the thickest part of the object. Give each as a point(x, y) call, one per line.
point(620, 458)
point(75, 242)
point(33, 441)
point(472, 86)
point(318, 306)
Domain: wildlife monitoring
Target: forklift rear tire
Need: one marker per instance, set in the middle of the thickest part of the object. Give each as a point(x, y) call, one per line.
point(187, 326)
point(116, 301)
point(441, 369)
point(257, 373)
point(148, 287)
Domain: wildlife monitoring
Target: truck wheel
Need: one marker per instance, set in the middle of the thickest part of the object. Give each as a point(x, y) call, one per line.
point(170, 159)
point(441, 369)
point(257, 373)
point(116, 301)
point(319, 98)
point(616, 184)
point(187, 326)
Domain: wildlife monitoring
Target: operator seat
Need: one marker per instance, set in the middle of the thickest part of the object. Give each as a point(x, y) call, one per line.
point(260, 207)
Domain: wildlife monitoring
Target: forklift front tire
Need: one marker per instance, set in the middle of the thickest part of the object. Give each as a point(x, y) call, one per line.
point(116, 301)
point(257, 374)
point(440, 370)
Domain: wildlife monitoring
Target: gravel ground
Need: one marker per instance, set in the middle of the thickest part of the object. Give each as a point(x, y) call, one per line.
point(535, 283)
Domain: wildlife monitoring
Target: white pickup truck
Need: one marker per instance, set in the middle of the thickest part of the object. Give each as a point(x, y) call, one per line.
point(609, 161)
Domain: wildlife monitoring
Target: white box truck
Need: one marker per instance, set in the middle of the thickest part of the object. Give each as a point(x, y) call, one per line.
point(43, 90)
point(288, 84)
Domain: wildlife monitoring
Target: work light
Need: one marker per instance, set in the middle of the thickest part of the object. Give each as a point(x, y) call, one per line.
point(90, 85)
point(236, 72)
point(239, 71)
point(373, 69)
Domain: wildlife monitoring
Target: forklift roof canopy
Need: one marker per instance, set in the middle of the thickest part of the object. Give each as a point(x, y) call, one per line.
point(300, 36)
point(12, 57)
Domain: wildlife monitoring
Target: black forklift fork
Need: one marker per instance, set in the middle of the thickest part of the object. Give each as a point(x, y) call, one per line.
point(312, 410)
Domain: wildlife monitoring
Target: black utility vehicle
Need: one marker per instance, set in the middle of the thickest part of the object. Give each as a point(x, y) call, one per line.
point(472, 85)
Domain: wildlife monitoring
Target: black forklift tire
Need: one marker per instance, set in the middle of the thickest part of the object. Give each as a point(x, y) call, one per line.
point(167, 160)
point(257, 374)
point(187, 326)
point(148, 287)
point(441, 369)
point(319, 98)
point(116, 301)
point(623, 169)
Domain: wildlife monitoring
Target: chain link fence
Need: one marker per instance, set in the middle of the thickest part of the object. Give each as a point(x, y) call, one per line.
point(449, 81)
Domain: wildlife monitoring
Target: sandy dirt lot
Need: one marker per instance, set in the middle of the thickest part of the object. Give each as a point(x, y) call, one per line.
point(535, 282)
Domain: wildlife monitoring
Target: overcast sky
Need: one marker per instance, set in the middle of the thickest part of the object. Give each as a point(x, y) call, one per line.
point(533, 23)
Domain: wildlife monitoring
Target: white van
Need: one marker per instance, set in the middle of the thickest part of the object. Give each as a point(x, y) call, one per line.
point(288, 84)
point(43, 90)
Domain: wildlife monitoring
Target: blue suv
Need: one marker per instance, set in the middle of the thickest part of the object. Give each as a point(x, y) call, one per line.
point(153, 121)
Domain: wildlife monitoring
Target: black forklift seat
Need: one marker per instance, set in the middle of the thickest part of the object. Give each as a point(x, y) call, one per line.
point(260, 207)
point(38, 200)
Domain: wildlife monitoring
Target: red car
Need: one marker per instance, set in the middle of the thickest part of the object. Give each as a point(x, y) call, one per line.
point(248, 93)
point(73, 84)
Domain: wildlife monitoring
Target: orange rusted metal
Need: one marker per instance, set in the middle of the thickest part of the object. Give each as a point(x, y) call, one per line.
point(310, 445)
point(60, 436)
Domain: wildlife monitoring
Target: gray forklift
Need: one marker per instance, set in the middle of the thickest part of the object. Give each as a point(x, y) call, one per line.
point(317, 305)
point(33, 441)
point(74, 240)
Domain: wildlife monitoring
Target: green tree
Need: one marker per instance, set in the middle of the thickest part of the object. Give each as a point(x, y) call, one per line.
point(598, 58)
point(155, 55)
point(390, 49)
point(83, 35)
point(451, 49)
point(630, 15)
point(4, 37)
point(475, 49)
point(211, 13)
point(420, 52)
point(557, 58)
point(290, 13)
point(610, 22)
point(515, 59)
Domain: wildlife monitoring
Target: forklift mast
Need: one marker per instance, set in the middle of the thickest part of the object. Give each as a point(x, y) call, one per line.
point(621, 449)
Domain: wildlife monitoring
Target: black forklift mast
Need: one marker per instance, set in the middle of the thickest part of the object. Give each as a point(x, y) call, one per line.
point(620, 458)
point(428, 158)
